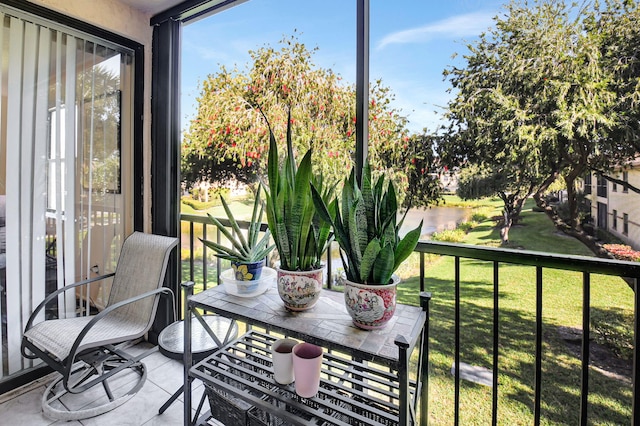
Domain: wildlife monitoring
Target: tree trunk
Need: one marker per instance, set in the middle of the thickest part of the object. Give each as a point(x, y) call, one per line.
point(572, 199)
point(506, 227)
point(508, 213)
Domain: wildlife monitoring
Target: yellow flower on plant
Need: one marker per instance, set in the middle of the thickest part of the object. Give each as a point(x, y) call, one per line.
point(242, 273)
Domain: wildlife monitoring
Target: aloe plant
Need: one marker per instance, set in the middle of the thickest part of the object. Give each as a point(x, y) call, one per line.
point(301, 237)
point(245, 250)
point(367, 229)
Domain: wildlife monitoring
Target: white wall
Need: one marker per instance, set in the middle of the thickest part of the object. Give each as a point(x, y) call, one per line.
point(626, 202)
point(121, 19)
point(622, 202)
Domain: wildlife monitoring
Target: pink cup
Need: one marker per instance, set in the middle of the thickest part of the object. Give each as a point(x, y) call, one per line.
point(307, 362)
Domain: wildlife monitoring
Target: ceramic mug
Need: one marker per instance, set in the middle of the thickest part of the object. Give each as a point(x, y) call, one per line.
point(307, 362)
point(281, 355)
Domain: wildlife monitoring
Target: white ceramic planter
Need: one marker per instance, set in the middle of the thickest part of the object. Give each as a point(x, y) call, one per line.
point(299, 290)
point(371, 306)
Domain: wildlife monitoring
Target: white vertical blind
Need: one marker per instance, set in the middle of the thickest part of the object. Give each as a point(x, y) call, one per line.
point(40, 157)
point(60, 121)
point(13, 220)
point(69, 172)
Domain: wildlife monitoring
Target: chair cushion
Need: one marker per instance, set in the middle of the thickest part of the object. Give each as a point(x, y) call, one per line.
point(57, 336)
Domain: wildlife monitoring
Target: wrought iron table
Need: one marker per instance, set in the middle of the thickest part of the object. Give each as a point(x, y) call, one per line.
point(203, 342)
point(365, 373)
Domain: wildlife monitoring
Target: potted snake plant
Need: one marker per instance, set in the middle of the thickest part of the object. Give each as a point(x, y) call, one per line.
point(300, 236)
point(367, 230)
point(247, 254)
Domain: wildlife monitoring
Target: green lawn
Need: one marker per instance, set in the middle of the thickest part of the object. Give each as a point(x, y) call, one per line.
point(611, 298)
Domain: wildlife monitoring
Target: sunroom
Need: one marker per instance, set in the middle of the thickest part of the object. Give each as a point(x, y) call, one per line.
point(115, 157)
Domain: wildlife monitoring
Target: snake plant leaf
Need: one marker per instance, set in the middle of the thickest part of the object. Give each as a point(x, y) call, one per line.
point(302, 208)
point(367, 197)
point(273, 172)
point(236, 228)
point(291, 171)
point(369, 259)
point(237, 244)
point(264, 241)
point(347, 197)
point(256, 218)
point(348, 271)
point(352, 228)
point(365, 226)
point(221, 251)
point(309, 249)
point(378, 202)
point(324, 216)
point(281, 234)
point(383, 266)
point(406, 246)
point(321, 208)
point(241, 250)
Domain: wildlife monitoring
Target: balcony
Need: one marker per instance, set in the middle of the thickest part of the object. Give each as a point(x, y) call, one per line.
point(475, 327)
point(523, 364)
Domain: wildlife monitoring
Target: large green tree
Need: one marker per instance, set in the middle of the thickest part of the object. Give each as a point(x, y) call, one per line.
point(228, 138)
point(540, 95)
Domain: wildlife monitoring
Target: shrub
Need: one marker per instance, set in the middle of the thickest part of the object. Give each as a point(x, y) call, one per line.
point(480, 214)
point(623, 252)
point(449, 235)
point(467, 226)
point(214, 198)
point(613, 328)
point(478, 217)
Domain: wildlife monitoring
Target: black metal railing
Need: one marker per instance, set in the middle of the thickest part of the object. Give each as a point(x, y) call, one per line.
point(587, 266)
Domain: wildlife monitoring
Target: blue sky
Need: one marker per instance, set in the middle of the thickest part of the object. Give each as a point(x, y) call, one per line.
point(411, 43)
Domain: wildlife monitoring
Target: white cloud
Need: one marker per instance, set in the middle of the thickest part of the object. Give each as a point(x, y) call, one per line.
point(470, 24)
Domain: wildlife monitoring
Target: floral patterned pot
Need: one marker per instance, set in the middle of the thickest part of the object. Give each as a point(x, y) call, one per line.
point(371, 306)
point(299, 290)
point(247, 271)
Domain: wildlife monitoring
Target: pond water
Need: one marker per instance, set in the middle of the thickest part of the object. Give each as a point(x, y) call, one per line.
point(435, 219)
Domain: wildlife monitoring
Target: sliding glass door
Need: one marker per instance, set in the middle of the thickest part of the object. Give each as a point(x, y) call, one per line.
point(65, 140)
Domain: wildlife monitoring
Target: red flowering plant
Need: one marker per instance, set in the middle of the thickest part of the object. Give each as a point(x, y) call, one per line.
point(227, 139)
point(622, 252)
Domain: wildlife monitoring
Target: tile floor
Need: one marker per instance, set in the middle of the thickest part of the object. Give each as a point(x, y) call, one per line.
point(23, 406)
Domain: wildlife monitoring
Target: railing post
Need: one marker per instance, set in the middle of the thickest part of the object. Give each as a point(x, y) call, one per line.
point(425, 298)
point(187, 357)
point(329, 267)
point(456, 336)
point(635, 409)
point(403, 379)
point(586, 318)
point(421, 271)
point(496, 342)
point(537, 387)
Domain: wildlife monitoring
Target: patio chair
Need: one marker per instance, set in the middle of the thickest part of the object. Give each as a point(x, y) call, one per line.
point(90, 350)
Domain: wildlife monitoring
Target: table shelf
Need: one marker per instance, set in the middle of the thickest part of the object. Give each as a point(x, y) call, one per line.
point(351, 392)
point(365, 375)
